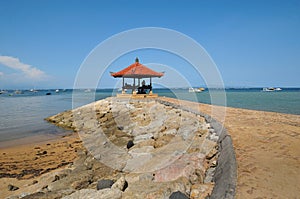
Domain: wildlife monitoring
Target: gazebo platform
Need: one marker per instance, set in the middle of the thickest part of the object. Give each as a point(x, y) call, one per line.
point(137, 71)
point(137, 96)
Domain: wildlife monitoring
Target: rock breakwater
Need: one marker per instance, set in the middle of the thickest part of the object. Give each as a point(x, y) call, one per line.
point(170, 150)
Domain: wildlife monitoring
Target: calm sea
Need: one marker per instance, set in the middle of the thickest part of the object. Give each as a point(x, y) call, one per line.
point(22, 115)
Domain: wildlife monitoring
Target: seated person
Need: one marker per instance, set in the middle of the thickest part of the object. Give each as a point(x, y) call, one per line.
point(141, 90)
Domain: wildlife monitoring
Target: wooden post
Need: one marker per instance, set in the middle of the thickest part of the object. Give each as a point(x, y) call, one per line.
point(123, 90)
point(133, 87)
point(150, 86)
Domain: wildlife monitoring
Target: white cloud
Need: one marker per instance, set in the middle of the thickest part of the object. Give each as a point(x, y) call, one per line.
point(1, 73)
point(28, 70)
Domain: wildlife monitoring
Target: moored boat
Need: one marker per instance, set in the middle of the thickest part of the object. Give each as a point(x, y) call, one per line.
point(271, 89)
point(196, 90)
point(18, 92)
point(33, 90)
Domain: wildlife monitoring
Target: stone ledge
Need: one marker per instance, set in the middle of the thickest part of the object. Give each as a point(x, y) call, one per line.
point(225, 176)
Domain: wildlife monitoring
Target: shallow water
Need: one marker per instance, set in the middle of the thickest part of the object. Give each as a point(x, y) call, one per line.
point(285, 101)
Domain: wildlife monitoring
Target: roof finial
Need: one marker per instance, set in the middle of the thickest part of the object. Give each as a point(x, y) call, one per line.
point(137, 60)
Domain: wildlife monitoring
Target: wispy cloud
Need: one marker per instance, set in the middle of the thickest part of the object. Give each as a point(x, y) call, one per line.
point(1, 73)
point(28, 70)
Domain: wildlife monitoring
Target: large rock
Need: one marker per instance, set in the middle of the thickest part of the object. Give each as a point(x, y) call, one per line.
point(200, 191)
point(120, 184)
point(141, 150)
point(93, 194)
point(178, 195)
point(140, 138)
point(103, 184)
point(207, 146)
point(184, 166)
point(137, 161)
point(77, 179)
point(154, 190)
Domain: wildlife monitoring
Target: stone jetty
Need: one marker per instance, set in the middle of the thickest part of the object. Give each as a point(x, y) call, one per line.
point(135, 149)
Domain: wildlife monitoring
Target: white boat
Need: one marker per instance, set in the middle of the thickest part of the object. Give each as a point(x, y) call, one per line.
point(196, 90)
point(57, 90)
point(33, 90)
point(267, 89)
point(271, 89)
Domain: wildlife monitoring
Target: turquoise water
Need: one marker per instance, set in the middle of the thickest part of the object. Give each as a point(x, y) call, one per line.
point(22, 115)
point(285, 101)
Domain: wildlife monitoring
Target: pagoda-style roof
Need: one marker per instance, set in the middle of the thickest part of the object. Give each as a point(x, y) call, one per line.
point(137, 70)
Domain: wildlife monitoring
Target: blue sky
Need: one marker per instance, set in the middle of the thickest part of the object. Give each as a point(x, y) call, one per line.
point(253, 43)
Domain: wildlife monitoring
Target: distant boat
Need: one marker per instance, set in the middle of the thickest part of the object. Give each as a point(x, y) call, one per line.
point(57, 90)
point(2, 92)
point(87, 90)
point(33, 90)
point(196, 90)
point(18, 92)
point(271, 89)
point(48, 93)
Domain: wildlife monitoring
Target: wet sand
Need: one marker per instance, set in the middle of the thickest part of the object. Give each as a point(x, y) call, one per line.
point(267, 147)
point(20, 165)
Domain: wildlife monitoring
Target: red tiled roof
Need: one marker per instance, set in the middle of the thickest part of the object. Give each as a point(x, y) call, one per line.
point(137, 70)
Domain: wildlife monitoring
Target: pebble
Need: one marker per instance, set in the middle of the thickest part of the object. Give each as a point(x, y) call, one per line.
point(130, 144)
point(34, 182)
point(11, 187)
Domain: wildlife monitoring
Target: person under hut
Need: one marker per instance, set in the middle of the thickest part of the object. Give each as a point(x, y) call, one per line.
point(143, 88)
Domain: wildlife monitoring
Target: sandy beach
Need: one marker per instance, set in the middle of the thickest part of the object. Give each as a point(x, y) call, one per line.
point(267, 147)
point(23, 164)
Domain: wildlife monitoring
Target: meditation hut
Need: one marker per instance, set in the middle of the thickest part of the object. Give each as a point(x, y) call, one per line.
point(137, 72)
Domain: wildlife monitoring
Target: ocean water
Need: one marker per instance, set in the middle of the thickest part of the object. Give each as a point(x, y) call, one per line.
point(285, 101)
point(22, 115)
